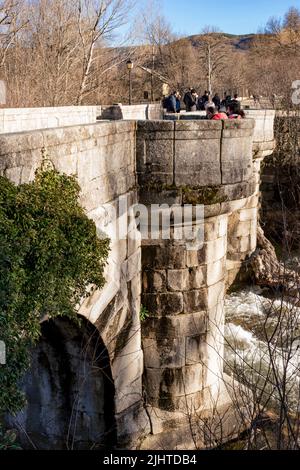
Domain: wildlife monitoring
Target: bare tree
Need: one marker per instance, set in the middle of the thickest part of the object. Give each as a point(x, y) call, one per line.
point(10, 25)
point(213, 54)
point(97, 22)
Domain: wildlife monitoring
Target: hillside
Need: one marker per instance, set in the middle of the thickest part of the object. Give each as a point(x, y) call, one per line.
point(237, 42)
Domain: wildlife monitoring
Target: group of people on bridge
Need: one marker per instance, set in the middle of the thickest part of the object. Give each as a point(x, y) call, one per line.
point(216, 109)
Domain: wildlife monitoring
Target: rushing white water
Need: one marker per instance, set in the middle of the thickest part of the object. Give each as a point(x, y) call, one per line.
point(262, 345)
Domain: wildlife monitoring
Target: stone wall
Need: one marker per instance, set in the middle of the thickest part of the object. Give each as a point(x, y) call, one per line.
point(212, 164)
point(103, 158)
point(133, 112)
point(263, 138)
point(195, 154)
point(27, 119)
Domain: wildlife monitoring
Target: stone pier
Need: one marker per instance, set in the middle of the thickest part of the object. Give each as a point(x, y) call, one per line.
point(208, 164)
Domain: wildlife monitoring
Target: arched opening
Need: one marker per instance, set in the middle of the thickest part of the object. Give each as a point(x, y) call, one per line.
point(69, 390)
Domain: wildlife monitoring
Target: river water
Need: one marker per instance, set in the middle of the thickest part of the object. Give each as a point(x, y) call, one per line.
point(262, 345)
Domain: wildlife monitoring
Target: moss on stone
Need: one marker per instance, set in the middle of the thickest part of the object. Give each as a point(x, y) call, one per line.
point(206, 195)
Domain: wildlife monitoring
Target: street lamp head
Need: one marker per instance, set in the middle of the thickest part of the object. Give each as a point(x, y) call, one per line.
point(129, 64)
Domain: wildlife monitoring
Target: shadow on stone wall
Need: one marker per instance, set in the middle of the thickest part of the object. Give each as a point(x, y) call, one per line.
point(69, 390)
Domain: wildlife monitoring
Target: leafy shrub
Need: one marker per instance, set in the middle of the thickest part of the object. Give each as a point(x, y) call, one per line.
point(49, 255)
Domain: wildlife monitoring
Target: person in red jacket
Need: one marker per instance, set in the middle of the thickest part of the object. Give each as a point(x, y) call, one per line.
point(214, 114)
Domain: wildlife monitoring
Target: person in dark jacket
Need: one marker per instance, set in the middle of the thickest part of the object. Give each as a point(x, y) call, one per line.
point(234, 111)
point(203, 100)
point(235, 102)
point(190, 100)
point(217, 101)
point(227, 99)
point(173, 103)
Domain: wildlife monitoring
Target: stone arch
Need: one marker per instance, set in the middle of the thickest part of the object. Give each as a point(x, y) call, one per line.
point(69, 390)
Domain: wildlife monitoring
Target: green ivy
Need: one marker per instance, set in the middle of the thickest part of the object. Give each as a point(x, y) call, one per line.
point(49, 256)
point(144, 314)
point(8, 439)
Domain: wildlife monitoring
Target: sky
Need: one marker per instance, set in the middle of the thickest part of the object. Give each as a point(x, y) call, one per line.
point(188, 17)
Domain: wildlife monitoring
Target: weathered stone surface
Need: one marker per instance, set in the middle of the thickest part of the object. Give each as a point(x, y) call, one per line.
point(248, 214)
point(174, 404)
point(197, 277)
point(204, 172)
point(195, 300)
point(25, 119)
point(132, 426)
point(155, 281)
point(171, 303)
point(163, 352)
point(193, 350)
point(174, 382)
point(164, 257)
point(178, 279)
point(175, 326)
point(203, 129)
point(160, 304)
point(215, 294)
point(216, 272)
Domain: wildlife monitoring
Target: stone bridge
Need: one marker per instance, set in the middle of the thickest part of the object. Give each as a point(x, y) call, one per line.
point(151, 379)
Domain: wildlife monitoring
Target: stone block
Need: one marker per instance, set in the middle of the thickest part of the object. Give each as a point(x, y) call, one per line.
point(232, 206)
point(213, 210)
point(164, 257)
point(204, 173)
point(175, 326)
point(195, 300)
point(242, 229)
point(189, 156)
point(195, 258)
point(126, 370)
point(236, 148)
point(245, 244)
point(130, 395)
point(216, 272)
point(154, 126)
point(170, 382)
point(231, 173)
point(203, 128)
point(216, 318)
point(178, 279)
point(222, 226)
point(132, 425)
point(211, 229)
point(213, 354)
point(173, 404)
point(164, 352)
point(216, 250)
point(193, 350)
point(154, 281)
point(171, 303)
point(248, 214)
point(215, 294)
point(252, 202)
point(160, 304)
point(197, 277)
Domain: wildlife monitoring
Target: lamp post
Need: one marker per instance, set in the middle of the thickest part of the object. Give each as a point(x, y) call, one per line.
point(130, 67)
